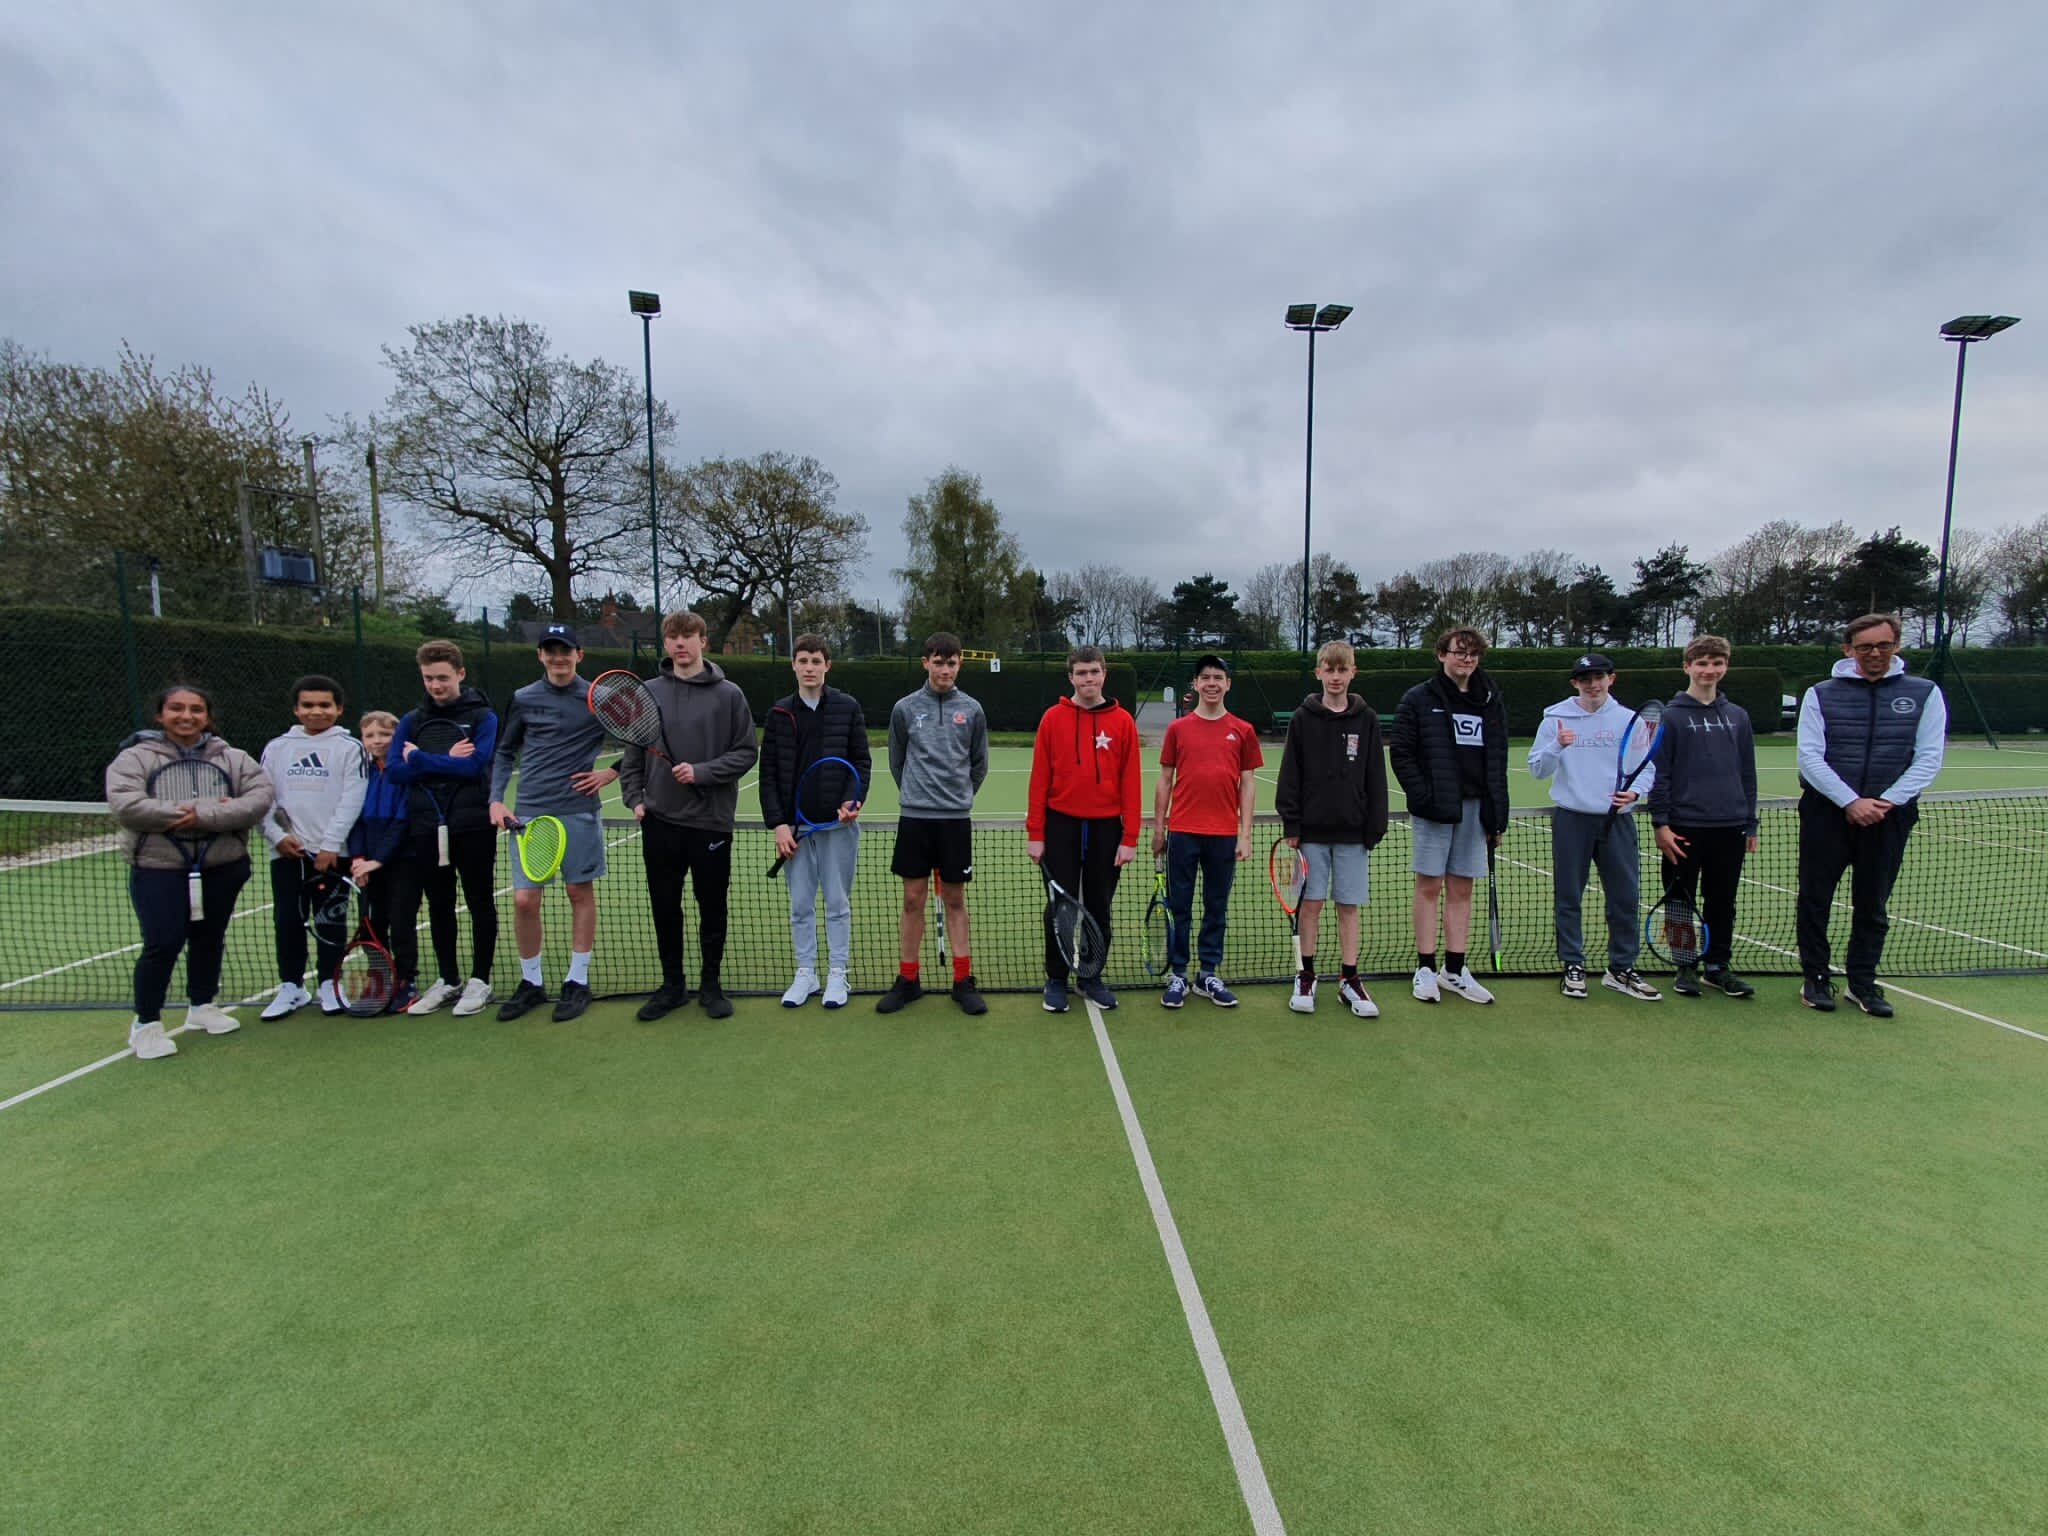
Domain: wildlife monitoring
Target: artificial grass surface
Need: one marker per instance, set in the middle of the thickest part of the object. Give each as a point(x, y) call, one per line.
point(1541, 1267)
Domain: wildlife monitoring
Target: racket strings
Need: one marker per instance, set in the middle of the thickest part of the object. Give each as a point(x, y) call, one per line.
point(189, 780)
point(542, 847)
point(366, 978)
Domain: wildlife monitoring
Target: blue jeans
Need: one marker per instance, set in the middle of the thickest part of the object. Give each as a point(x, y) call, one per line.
point(1216, 857)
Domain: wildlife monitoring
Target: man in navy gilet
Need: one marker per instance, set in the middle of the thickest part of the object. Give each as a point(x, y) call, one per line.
point(1870, 740)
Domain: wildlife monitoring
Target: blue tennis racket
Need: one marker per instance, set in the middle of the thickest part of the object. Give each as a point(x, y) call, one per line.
point(1640, 740)
point(828, 797)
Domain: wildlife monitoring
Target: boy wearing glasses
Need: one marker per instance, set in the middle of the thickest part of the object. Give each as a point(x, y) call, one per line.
point(1449, 750)
point(1870, 740)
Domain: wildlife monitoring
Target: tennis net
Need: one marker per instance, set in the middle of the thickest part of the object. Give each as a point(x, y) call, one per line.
point(1968, 902)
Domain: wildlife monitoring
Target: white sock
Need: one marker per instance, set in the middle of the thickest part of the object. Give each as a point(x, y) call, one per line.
point(529, 970)
point(579, 966)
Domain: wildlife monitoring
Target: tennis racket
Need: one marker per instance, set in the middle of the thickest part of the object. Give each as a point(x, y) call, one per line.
point(625, 707)
point(1077, 934)
point(439, 736)
point(189, 781)
point(1288, 871)
point(936, 900)
point(1673, 930)
point(1640, 739)
point(833, 781)
point(541, 845)
point(1158, 923)
point(364, 976)
point(1493, 907)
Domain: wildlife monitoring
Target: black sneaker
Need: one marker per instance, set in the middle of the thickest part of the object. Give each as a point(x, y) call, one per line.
point(524, 999)
point(968, 997)
point(1687, 982)
point(716, 1004)
point(1725, 981)
point(575, 998)
point(1818, 993)
point(902, 990)
point(669, 997)
point(1872, 1002)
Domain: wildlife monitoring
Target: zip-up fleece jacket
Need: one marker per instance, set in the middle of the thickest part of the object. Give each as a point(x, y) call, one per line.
point(142, 820)
point(1706, 767)
point(706, 723)
point(1423, 751)
point(464, 782)
point(795, 737)
point(1333, 774)
point(319, 782)
point(949, 735)
point(1582, 774)
point(1085, 763)
point(379, 833)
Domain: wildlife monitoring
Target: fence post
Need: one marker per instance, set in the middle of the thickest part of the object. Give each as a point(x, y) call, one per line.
point(355, 598)
point(484, 623)
point(128, 643)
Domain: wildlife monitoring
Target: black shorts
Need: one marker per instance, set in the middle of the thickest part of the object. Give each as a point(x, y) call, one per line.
point(926, 844)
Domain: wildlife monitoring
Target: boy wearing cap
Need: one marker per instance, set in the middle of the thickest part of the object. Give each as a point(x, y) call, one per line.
point(1202, 820)
point(1576, 748)
point(553, 739)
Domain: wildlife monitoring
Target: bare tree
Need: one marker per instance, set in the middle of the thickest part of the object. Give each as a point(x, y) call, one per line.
point(1103, 613)
point(526, 462)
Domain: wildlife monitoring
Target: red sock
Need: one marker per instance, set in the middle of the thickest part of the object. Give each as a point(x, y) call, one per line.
point(962, 967)
point(907, 970)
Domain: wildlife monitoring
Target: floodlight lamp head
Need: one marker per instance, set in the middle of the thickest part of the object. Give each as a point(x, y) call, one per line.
point(646, 304)
point(1333, 315)
point(1977, 327)
point(1299, 315)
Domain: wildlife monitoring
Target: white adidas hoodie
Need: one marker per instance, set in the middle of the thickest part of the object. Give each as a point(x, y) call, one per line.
point(320, 782)
point(1582, 774)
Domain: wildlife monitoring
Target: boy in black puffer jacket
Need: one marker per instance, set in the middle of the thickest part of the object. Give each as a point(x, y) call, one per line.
point(1450, 753)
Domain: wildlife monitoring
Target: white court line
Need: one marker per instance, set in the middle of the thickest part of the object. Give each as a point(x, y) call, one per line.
point(75, 1073)
point(1237, 1434)
point(1922, 997)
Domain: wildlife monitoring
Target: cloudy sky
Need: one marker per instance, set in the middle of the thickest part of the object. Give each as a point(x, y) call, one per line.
point(1623, 272)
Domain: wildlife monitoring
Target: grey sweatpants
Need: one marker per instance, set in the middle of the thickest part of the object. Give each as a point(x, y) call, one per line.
point(823, 862)
point(1571, 856)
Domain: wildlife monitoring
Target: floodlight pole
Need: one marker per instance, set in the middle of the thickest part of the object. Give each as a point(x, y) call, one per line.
point(653, 505)
point(1948, 507)
point(1308, 480)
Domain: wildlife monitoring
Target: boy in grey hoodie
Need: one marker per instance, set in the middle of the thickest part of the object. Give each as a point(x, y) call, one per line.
point(1576, 748)
point(320, 773)
point(1704, 808)
point(938, 755)
point(686, 799)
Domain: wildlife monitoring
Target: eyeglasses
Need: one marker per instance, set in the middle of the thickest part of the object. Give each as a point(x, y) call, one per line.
point(1875, 647)
point(1464, 655)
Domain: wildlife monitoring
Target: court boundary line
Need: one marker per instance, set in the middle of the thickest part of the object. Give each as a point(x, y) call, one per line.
point(1237, 1433)
point(1968, 1013)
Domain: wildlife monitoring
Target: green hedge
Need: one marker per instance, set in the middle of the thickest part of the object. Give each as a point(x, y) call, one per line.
point(73, 693)
point(2012, 703)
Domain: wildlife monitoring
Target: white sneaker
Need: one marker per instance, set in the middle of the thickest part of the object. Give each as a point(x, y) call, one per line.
point(473, 998)
point(330, 998)
point(835, 988)
point(1303, 998)
point(1354, 996)
point(802, 989)
point(1425, 985)
point(1462, 985)
point(433, 999)
point(148, 1041)
point(291, 997)
point(214, 1020)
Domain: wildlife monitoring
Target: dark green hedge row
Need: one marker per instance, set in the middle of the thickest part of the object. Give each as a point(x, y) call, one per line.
point(2010, 704)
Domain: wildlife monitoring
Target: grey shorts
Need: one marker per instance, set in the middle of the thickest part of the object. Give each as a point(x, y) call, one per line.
point(583, 861)
point(1339, 871)
point(1442, 849)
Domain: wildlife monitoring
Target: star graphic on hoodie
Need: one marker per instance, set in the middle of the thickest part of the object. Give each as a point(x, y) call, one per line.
point(1102, 741)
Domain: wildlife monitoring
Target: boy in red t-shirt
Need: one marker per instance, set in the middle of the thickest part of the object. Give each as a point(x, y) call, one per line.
point(1085, 809)
point(1202, 819)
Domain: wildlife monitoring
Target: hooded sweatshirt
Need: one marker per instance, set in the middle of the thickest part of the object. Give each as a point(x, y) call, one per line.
point(1706, 767)
point(463, 783)
point(1582, 774)
point(706, 723)
point(142, 820)
point(320, 782)
point(1333, 774)
point(1085, 764)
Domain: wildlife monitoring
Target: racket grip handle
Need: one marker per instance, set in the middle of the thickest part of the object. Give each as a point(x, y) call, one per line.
point(195, 896)
point(441, 845)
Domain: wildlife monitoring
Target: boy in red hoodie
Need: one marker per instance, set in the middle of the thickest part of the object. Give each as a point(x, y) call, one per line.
point(1085, 808)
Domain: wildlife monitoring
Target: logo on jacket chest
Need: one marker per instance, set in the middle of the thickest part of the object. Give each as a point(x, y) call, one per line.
point(1904, 705)
point(1351, 746)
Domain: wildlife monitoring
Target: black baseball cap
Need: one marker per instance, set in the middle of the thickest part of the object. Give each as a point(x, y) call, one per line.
point(560, 634)
point(1590, 663)
point(1211, 661)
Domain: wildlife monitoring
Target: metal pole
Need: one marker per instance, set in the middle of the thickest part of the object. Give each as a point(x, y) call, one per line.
point(248, 547)
point(1948, 507)
point(376, 526)
point(128, 660)
point(156, 590)
point(653, 505)
point(1308, 486)
point(319, 545)
point(355, 597)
